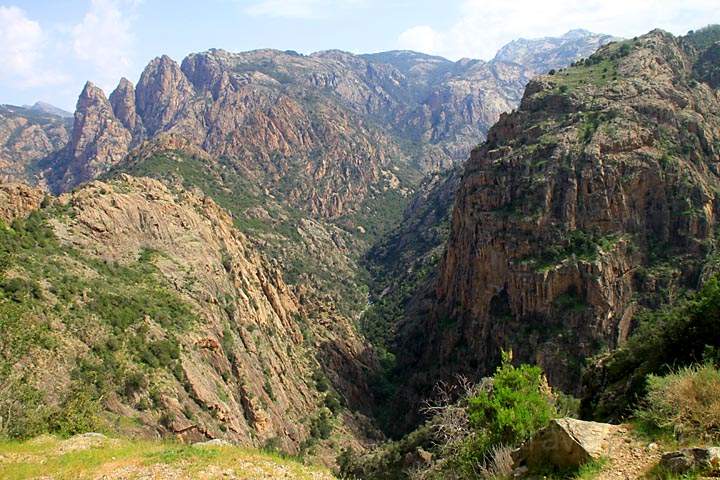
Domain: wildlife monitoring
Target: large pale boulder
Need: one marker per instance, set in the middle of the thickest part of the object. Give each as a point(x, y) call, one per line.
point(566, 443)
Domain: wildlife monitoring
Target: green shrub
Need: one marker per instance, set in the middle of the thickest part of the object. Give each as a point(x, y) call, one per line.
point(518, 404)
point(24, 412)
point(679, 335)
point(332, 402)
point(321, 381)
point(686, 402)
point(79, 413)
point(321, 425)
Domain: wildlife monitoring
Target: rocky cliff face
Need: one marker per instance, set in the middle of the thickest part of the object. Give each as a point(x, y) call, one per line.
point(599, 193)
point(122, 101)
point(99, 140)
point(229, 348)
point(27, 137)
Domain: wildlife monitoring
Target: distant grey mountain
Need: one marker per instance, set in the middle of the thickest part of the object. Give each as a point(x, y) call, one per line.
point(45, 107)
point(543, 54)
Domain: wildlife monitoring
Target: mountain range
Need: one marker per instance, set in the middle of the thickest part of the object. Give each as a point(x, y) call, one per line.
point(290, 251)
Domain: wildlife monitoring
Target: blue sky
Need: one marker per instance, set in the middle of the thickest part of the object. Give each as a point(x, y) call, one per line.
point(49, 48)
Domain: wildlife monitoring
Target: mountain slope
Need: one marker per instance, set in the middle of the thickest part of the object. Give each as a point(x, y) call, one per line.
point(544, 54)
point(597, 198)
point(342, 127)
point(27, 137)
point(139, 306)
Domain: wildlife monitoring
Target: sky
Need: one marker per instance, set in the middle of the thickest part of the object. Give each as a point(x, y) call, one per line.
point(49, 48)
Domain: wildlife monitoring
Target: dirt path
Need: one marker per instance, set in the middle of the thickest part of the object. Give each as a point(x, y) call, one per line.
point(629, 458)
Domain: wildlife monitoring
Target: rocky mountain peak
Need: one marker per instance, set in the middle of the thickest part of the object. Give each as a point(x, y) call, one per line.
point(45, 107)
point(122, 101)
point(91, 95)
point(162, 92)
point(543, 54)
point(578, 33)
point(99, 140)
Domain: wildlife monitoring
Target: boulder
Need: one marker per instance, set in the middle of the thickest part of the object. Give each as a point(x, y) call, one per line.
point(688, 459)
point(565, 443)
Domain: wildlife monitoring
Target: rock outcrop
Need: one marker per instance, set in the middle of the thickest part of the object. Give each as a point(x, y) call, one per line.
point(27, 138)
point(99, 141)
point(596, 195)
point(706, 460)
point(122, 101)
point(162, 93)
point(566, 443)
point(18, 200)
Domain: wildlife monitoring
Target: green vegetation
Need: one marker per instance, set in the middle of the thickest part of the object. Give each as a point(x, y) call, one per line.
point(681, 334)
point(590, 122)
point(578, 245)
point(279, 230)
point(685, 403)
point(517, 405)
point(76, 458)
point(704, 37)
point(589, 471)
point(595, 71)
point(222, 182)
point(570, 301)
point(473, 433)
point(50, 293)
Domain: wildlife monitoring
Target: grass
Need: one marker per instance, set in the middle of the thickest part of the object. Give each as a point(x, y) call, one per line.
point(659, 473)
point(43, 456)
point(685, 402)
point(588, 471)
point(598, 74)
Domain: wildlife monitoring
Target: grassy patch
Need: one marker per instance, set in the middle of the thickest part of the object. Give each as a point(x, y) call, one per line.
point(45, 456)
point(587, 471)
point(685, 402)
point(582, 74)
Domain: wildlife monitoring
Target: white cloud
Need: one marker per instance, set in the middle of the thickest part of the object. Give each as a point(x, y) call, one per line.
point(422, 38)
point(484, 26)
point(305, 9)
point(22, 51)
point(104, 38)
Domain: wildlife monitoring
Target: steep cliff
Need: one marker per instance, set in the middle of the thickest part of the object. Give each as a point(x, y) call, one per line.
point(598, 197)
point(99, 140)
point(122, 101)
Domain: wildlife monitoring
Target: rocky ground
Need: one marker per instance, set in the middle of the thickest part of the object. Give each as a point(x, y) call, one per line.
point(628, 457)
